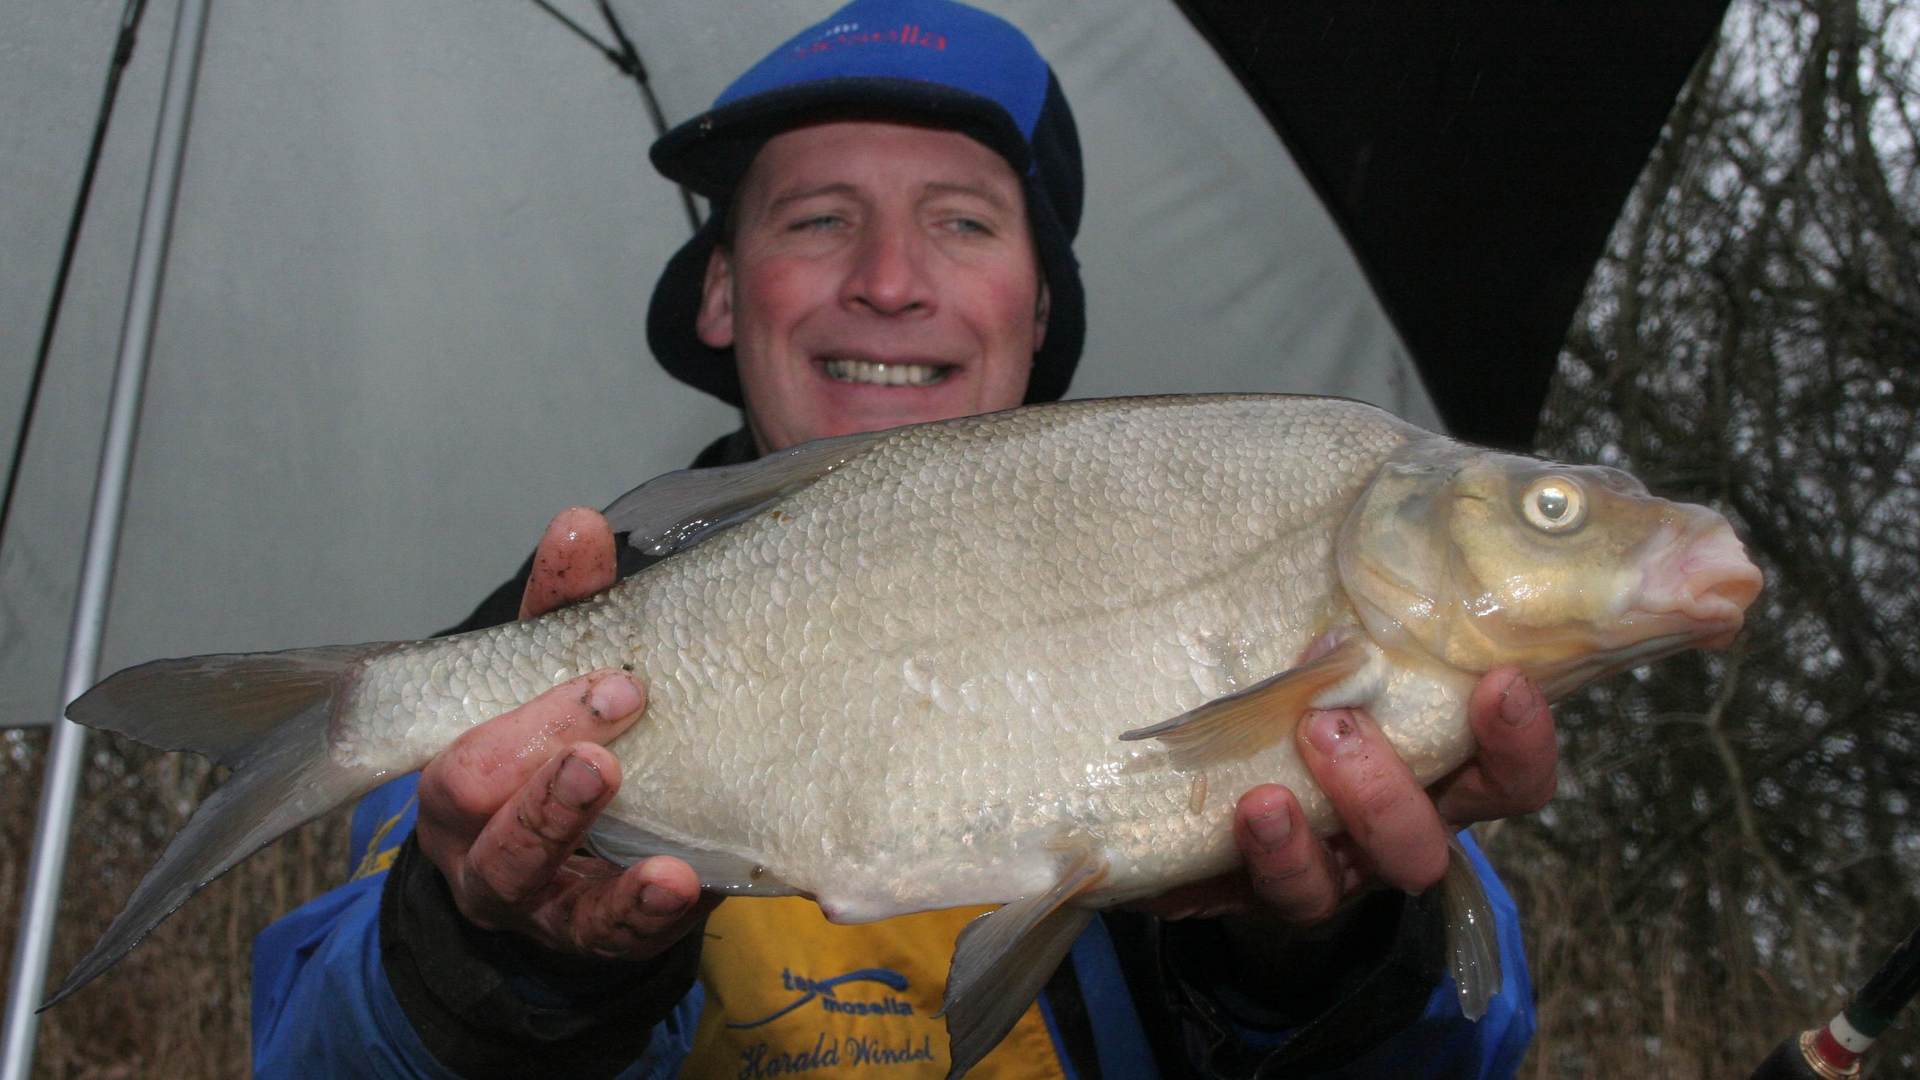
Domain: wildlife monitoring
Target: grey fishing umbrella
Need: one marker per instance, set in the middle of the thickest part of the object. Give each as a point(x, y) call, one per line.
point(402, 313)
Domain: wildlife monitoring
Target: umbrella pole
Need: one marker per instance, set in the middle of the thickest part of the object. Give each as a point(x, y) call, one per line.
point(103, 534)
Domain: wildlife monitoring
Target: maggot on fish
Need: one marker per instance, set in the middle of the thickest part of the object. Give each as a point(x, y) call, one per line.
point(1031, 657)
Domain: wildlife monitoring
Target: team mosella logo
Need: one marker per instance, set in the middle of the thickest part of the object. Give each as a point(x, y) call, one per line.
point(826, 992)
point(843, 35)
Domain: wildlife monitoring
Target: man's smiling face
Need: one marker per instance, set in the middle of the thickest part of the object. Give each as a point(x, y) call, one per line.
point(880, 274)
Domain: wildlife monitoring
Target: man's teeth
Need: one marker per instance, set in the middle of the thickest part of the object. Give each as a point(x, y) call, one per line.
point(866, 371)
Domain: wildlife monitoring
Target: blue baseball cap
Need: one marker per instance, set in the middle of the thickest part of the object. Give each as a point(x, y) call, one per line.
point(927, 61)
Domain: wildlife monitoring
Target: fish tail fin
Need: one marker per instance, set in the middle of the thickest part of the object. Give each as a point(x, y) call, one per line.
point(1473, 944)
point(267, 715)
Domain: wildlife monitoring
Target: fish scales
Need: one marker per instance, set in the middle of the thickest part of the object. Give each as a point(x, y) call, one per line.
point(940, 702)
point(1053, 600)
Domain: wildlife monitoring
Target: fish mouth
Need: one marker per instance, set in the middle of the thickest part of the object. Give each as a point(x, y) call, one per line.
point(1698, 582)
point(868, 371)
point(1694, 588)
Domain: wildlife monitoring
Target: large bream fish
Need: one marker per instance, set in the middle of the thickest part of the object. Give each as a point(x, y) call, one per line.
point(1029, 658)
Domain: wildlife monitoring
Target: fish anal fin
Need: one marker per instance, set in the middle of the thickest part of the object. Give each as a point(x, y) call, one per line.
point(624, 843)
point(1004, 958)
point(1247, 721)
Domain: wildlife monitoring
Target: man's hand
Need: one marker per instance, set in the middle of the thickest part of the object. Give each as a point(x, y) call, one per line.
point(1395, 832)
point(504, 808)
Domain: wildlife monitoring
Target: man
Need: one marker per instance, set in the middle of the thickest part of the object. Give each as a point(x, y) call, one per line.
point(895, 193)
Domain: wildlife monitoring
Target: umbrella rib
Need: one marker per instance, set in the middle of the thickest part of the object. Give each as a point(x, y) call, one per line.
point(607, 51)
point(631, 64)
point(627, 58)
point(130, 18)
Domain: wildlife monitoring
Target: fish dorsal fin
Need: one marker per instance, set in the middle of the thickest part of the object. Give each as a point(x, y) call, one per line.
point(1003, 959)
point(677, 510)
point(1246, 721)
point(624, 844)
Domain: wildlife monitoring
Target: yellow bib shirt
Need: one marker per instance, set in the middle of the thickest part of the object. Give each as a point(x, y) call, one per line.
point(790, 994)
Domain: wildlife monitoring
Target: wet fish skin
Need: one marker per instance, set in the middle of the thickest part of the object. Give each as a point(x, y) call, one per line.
point(856, 578)
point(899, 678)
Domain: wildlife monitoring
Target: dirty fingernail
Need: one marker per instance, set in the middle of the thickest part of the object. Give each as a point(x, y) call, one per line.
point(1271, 827)
point(1519, 703)
point(661, 902)
point(614, 697)
point(578, 783)
point(1334, 733)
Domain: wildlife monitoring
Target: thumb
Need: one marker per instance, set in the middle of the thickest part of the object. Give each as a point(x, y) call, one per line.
point(575, 559)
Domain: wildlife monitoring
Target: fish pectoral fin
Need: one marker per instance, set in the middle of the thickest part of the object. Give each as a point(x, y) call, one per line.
point(1003, 959)
point(623, 844)
point(677, 510)
point(1246, 721)
point(1473, 943)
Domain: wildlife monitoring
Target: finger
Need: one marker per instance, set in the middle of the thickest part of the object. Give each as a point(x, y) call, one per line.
point(1514, 771)
point(575, 559)
point(462, 788)
point(638, 914)
point(512, 863)
point(1378, 800)
point(1290, 871)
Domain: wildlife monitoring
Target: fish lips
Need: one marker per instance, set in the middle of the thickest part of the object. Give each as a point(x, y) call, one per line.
point(1697, 579)
point(1694, 590)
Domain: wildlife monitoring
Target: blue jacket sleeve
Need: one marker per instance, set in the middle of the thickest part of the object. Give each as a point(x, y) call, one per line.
point(322, 1002)
point(1379, 1005)
point(1442, 1044)
point(1445, 1044)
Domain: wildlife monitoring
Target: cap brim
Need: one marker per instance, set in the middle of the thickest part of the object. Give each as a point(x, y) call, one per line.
point(711, 152)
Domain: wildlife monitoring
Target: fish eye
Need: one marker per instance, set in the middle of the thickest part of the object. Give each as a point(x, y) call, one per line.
point(1554, 504)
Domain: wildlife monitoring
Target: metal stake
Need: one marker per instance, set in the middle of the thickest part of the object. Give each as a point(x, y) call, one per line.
point(103, 536)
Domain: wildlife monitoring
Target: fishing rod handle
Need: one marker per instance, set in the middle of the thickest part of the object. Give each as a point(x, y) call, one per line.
point(1815, 1054)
